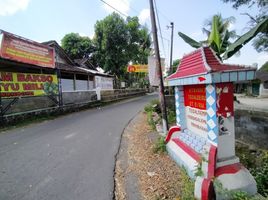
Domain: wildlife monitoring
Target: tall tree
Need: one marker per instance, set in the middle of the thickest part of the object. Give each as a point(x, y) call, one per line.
point(139, 41)
point(111, 40)
point(260, 42)
point(120, 41)
point(77, 46)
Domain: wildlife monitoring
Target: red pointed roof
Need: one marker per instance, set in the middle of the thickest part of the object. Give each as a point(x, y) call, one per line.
point(202, 61)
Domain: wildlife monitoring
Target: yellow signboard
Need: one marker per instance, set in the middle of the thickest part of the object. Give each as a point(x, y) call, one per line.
point(137, 68)
point(24, 84)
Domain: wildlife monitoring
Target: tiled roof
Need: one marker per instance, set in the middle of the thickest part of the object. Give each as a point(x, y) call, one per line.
point(202, 61)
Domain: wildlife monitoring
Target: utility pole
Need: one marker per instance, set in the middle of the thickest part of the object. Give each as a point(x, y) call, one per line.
point(171, 46)
point(158, 65)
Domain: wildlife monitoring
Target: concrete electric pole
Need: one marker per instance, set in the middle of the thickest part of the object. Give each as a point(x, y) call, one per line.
point(158, 65)
point(171, 46)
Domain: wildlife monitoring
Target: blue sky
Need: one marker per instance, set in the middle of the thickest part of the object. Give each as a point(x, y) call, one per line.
point(43, 20)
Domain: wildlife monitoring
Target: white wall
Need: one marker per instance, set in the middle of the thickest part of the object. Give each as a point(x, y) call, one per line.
point(81, 85)
point(105, 83)
point(263, 91)
point(67, 85)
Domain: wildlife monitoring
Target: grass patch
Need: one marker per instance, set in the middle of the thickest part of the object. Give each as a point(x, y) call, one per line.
point(160, 146)
point(187, 186)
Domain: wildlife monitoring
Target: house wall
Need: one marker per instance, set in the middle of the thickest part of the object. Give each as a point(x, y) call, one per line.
point(25, 104)
point(264, 90)
point(78, 97)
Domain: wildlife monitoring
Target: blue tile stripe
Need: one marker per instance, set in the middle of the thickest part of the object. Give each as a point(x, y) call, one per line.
point(212, 122)
point(180, 108)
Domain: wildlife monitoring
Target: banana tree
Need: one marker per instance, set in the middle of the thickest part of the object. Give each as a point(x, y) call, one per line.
point(218, 38)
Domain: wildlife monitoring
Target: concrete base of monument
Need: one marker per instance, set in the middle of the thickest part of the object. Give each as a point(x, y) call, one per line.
point(227, 180)
point(228, 161)
point(234, 177)
point(182, 158)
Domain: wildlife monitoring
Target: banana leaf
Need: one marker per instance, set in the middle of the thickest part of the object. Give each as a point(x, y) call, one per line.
point(242, 40)
point(215, 36)
point(189, 40)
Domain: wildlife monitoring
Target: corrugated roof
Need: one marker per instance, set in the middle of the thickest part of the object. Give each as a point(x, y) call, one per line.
point(71, 69)
point(202, 61)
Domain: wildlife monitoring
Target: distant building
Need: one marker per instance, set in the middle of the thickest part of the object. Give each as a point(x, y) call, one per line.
point(262, 74)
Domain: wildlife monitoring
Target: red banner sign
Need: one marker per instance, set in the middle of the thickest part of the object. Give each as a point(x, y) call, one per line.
point(195, 96)
point(22, 50)
point(137, 68)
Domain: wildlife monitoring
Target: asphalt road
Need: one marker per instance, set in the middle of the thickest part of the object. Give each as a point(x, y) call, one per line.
point(68, 158)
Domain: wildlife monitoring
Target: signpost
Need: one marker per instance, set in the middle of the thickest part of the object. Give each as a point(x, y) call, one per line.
point(137, 68)
point(205, 134)
point(26, 51)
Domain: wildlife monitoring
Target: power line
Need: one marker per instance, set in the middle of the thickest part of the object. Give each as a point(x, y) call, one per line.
point(127, 3)
point(164, 16)
point(149, 30)
point(114, 8)
point(158, 22)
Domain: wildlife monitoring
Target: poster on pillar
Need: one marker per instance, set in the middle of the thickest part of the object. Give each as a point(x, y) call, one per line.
point(225, 108)
point(195, 109)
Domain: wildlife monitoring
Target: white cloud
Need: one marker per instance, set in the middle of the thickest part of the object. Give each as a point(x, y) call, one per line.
point(121, 5)
point(261, 59)
point(144, 15)
point(82, 34)
point(231, 26)
point(10, 7)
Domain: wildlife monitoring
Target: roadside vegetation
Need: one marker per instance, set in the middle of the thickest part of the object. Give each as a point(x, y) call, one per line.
point(256, 161)
point(154, 114)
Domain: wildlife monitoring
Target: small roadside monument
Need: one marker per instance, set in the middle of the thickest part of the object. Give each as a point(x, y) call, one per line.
point(203, 141)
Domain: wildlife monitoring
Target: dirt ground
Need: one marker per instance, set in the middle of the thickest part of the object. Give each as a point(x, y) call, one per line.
point(140, 173)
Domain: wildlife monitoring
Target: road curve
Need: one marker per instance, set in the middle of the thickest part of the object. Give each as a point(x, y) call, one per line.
point(68, 158)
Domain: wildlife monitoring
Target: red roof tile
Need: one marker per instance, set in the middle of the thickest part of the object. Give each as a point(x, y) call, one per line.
point(202, 61)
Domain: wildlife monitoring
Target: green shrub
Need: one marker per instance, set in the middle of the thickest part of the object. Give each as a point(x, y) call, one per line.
point(148, 108)
point(171, 115)
point(257, 164)
point(260, 174)
point(150, 120)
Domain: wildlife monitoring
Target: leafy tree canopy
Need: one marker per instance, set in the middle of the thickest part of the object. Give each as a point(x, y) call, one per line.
point(260, 42)
point(174, 66)
point(238, 3)
point(120, 41)
point(77, 46)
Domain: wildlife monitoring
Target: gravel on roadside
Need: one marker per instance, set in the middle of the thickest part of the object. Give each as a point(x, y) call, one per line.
point(140, 173)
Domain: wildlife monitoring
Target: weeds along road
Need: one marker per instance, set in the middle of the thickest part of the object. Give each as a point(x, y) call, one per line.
point(71, 157)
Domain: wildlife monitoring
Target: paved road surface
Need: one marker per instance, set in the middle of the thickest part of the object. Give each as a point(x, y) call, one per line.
point(68, 158)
